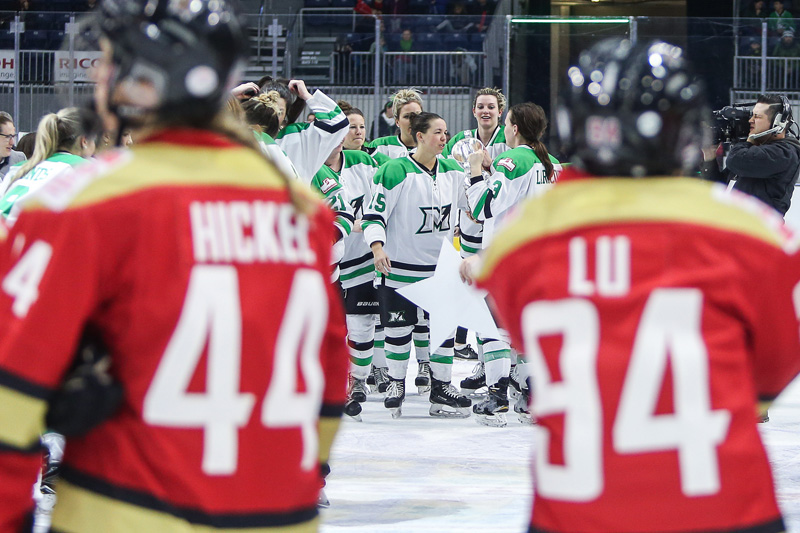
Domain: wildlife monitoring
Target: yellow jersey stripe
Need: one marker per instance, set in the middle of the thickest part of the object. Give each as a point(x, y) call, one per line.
point(608, 201)
point(21, 419)
point(80, 510)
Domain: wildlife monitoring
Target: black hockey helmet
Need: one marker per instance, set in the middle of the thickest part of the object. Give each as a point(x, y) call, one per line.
point(190, 51)
point(633, 110)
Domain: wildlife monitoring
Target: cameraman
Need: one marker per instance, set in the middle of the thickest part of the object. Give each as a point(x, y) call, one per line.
point(767, 163)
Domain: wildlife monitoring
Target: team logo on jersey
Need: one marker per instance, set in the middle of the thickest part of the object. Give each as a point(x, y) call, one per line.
point(397, 316)
point(327, 185)
point(434, 218)
point(358, 205)
point(507, 163)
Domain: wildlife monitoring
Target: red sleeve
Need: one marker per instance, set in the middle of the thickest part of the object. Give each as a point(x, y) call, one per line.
point(776, 331)
point(333, 353)
point(48, 278)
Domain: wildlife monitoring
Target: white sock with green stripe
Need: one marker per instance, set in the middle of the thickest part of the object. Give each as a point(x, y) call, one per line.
point(422, 338)
point(360, 340)
point(398, 350)
point(442, 362)
point(496, 359)
point(378, 353)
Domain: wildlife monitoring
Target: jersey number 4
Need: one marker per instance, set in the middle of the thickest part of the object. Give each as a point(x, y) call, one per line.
point(669, 331)
point(211, 316)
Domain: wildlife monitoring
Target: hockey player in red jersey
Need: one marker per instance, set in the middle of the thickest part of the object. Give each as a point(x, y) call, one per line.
point(205, 275)
point(655, 312)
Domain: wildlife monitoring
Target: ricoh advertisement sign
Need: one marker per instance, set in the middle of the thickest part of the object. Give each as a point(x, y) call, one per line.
point(82, 65)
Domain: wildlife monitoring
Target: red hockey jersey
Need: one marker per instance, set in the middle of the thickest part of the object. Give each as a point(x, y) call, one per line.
point(655, 313)
point(211, 294)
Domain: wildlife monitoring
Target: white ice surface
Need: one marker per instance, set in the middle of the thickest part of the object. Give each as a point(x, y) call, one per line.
point(424, 474)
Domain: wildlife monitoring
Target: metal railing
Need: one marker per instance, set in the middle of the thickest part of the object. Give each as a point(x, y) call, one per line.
point(767, 73)
point(410, 69)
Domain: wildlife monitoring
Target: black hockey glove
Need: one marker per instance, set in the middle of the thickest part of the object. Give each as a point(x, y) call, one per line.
point(89, 395)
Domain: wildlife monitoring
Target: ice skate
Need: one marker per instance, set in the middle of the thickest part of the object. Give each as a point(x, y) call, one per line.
point(492, 411)
point(467, 352)
point(423, 379)
point(353, 409)
point(395, 395)
point(323, 502)
point(447, 401)
point(357, 391)
point(522, 408)
point(516, 384)
point(380, 379)
point(477, 380)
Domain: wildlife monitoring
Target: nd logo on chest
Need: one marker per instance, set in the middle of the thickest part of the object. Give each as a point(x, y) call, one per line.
point(611, 276)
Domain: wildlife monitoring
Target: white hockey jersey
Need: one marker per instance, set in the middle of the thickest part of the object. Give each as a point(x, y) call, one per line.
point(471, 232)
point(281, 160)
point(14, 191)
point(411, 212)
point(384, 149)
point(357, 174)
point(308, 145)
point(516, 174)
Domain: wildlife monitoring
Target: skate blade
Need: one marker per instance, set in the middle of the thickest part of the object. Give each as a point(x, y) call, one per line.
point(480, 391)
point(442, 411)
point(498, 420)
point(423, 390)
point(526, 419)
point(513, 394)
point(397, 412)
point(323, 502)
point(357, 417)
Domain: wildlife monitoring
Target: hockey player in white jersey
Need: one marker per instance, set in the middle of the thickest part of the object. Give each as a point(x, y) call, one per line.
point(487, 108)
point(525, 170)
point(408, 217)
point(63, 140)
point(405, 104)
point(308, 145)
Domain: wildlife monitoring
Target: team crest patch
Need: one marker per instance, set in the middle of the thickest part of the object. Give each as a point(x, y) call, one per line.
point(327, 185)
point(507, 163)
point(397, 316)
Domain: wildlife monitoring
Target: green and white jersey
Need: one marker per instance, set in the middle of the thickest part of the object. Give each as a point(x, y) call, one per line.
point(496, 146)
point(357, 174)
point(274, 152)
point(14, 191)
point(411, 212)
point(471, 232)
point(384, 149)
point(308, 145)
point(516, 174)
point(327, 182)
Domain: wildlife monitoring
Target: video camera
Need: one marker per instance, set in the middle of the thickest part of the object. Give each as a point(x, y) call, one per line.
point(732, 123)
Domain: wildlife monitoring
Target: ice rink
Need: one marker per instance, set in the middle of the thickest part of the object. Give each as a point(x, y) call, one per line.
point(421, 474)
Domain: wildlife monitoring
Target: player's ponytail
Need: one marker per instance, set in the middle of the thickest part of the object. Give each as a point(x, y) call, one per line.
point(60, 132)
point(531, 121)
point(227, 125)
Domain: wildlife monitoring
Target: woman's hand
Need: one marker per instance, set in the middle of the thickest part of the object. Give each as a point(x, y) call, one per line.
point(487, 160)
point(475, 161)
point(468, 269)
point(299, 88)
point(382, 263)
point(245, 90)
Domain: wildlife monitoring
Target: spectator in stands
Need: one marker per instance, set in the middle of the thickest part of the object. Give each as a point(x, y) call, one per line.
point(404, 64)
point(8, 134)
point(458, 21)
point(757, 10)
point(780, 20)
point(365, 17)
point(753, 48)
point(386, 123)
point(483, 9)
point(787, 46)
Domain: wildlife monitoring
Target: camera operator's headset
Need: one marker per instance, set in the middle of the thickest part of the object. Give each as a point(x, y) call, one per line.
point(782, 121)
